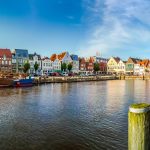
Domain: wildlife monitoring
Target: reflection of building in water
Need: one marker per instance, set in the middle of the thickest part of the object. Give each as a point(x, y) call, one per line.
point(115, 95)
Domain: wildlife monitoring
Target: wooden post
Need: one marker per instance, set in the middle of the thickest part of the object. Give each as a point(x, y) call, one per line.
point(139, 127)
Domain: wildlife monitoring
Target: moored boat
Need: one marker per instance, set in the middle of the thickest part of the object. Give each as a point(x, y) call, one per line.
point(6, 82)
point(23, 83)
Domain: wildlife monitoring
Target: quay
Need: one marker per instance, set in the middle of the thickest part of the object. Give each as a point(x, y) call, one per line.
point(133, 77)
point(68, 79)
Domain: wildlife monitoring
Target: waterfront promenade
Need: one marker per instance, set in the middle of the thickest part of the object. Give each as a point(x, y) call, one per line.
point(39, 80)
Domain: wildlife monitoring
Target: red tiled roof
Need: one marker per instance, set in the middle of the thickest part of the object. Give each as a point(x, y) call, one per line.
point(53, 57)
point(5, 52)
point(61, 56)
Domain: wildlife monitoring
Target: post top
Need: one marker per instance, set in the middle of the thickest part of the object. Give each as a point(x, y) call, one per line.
point(139, 108)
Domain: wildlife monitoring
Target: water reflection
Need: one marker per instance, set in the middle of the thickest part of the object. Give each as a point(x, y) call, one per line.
point(76, 116)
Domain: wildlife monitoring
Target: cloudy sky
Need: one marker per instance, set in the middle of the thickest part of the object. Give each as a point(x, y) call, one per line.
point(84, 27)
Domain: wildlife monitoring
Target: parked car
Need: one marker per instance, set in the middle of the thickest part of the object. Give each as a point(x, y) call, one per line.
point(71, 74)
point(64, 74)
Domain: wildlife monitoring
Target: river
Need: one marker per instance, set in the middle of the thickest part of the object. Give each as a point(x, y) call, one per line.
point(69, 116)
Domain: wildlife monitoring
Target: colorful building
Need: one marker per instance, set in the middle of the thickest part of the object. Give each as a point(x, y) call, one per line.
point(112, 65)
point(5, 60)
point(35, 58)
point(132, 66)
point(56, 63)
point(19, 58)
point(90, 65)
point(82, 65)
point(47, 65)
point(75, 63)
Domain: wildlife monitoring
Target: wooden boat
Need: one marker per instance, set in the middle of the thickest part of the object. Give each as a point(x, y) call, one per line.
point(23, 83)
point(6, 82)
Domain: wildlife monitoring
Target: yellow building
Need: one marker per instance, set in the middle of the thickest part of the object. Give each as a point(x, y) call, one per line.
point(115, 66)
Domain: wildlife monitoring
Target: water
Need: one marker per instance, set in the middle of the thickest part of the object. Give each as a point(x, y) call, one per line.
point(74, 116)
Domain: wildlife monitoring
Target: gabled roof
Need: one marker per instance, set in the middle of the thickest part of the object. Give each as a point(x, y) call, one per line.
point(117, 59)
point(91, 60)
point(62, 55)
point(135, 60)
point(144, 62)
point(5, 52)
point(53, 57)
point(82, 60)
point(32, 55)
point(45, 58)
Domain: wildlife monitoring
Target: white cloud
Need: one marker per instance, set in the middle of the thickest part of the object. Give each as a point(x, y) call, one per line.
point(123, 25)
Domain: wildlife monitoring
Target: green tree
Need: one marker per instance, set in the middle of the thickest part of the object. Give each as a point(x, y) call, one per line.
point(69, 67)
point(96, 67)
point(63, 67)
point(26, 67)
point(36, 66)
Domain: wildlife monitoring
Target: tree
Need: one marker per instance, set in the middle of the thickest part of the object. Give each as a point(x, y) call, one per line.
point(26, 67)
point(69, 67)
point(36, 66)
point(63, 67)
point(96, 67)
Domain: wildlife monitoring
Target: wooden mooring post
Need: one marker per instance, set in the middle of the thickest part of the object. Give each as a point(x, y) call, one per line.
point(139, 127)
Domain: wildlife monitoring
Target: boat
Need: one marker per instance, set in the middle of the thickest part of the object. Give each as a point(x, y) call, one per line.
point(6, 82)
point(23, 83)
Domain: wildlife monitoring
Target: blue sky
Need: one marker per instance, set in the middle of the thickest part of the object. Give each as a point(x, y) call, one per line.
point(112, 27)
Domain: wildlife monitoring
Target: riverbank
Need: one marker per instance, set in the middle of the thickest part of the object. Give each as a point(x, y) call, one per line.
point(39, 80)
point(123, 77)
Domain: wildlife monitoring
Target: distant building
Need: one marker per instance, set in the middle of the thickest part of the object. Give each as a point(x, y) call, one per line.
point(5, 60)
point(65, 58)
point(75, 63)
point(112, 65)
point(82, 65)
point(132, 66)
point(90, 65)
point(56, 63)
point(19, 58)
point(144, 67)
point(47, 65)
point(35, 58)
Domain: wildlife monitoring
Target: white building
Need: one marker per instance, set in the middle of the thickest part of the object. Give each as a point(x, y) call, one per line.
point(47, 65)
point(35, 58)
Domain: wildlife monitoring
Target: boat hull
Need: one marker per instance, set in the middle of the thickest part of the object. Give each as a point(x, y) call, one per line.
point(4, 82)
point(23, 83)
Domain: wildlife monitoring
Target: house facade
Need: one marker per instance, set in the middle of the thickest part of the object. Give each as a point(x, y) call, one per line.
point(19, 58)
point(35, 58)
point(102, 67)
point(56, 63)
point(121, 67)
point(75, 63)
point(65, 58)
point(112, 65)
point(5, 60)
point(90, 65)
point(133, 66)
point(82, 65)
point(47, 65)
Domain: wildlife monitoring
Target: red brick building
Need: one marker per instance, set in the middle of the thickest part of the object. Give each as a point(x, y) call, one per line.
point(103, 67)
point(5, 60)
point(90, 65)
point(82, 64)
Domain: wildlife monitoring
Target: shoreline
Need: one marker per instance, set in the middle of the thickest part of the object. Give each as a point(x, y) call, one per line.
point(70, 79)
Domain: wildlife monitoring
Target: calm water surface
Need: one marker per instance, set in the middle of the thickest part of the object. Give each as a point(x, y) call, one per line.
point(74, 116)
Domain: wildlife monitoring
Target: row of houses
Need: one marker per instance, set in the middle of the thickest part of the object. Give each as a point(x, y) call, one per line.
point(13, 61)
